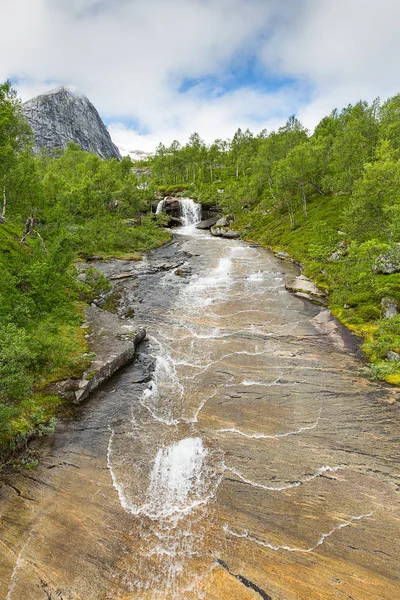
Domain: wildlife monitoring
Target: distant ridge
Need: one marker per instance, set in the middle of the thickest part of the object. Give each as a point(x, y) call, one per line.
point(64, 115)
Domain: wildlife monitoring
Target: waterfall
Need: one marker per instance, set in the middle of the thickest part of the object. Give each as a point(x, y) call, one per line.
point(161, 206)
point(191, 212)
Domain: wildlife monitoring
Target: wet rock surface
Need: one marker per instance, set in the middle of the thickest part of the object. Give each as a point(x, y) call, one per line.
point(61, 116)
point(243, 455)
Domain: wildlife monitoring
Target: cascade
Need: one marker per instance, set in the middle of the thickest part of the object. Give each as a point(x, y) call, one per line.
point(161, 206)
point(190, 211)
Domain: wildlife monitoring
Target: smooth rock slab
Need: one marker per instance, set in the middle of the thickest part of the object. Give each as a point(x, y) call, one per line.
point(114, 342)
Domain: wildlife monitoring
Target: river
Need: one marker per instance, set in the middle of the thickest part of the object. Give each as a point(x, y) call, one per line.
point(243, 455)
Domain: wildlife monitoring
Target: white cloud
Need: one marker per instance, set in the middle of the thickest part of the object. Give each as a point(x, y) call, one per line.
point(131, 56)
point(347, 49)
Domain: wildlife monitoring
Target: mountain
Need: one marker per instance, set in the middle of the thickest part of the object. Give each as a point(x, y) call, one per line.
point(61, 116)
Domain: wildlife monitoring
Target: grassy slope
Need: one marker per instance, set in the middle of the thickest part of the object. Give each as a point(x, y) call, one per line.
point(355, 291)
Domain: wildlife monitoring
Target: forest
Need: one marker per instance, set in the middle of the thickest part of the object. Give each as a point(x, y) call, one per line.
point(331, 199)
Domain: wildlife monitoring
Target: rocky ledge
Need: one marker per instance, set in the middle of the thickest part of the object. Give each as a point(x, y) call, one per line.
point(112, 343)
point(303, 287)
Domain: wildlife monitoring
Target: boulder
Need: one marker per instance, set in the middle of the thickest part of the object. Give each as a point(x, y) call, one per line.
point(217, 231)
point(81, 277)
point(388, 263)
point(389, 308)
point(341, 250)
point(222, 222)
point(392, 356)
point(337, 255)
point(231, 235)
point(207, 224)
point(225, 221)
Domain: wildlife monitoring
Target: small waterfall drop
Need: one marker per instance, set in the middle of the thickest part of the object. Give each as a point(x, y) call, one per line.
point(189, 209)
point(191, 212)
point(161, 206)
point(176, 483)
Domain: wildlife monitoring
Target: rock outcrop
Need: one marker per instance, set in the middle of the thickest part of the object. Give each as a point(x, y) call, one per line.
point(303, 287)
point(61, 116)
point(113, 343)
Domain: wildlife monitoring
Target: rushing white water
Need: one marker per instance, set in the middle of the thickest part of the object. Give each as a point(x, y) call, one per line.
point(191, 211)
point(176, 482)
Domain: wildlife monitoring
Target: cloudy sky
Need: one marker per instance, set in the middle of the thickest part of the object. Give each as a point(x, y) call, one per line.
point(160, 69)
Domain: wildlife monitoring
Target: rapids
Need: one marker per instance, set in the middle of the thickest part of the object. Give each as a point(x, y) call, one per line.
point(243, 455)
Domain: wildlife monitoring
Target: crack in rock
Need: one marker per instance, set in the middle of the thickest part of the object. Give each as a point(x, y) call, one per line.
point(18, 492)
point(243, 580)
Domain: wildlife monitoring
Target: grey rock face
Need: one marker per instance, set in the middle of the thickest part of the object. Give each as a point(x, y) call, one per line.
point(61, 116)
point(303, 287)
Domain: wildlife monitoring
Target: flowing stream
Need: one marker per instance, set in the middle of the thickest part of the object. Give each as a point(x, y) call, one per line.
point(243, 455)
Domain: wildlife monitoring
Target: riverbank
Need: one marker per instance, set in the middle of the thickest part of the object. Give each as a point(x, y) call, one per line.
point(357, 294)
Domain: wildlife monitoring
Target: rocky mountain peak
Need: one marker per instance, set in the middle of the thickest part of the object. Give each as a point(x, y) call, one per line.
point(64, 115)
